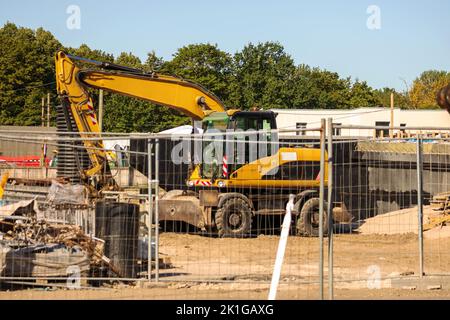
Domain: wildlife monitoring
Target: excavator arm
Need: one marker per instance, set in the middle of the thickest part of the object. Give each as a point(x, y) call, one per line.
point(186, 97)
point(72, 86)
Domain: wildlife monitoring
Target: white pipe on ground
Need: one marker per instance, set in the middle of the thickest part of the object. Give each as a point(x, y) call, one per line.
point(281, 248)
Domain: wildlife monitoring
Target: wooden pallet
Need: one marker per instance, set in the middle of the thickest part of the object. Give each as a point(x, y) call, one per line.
point(440, 203)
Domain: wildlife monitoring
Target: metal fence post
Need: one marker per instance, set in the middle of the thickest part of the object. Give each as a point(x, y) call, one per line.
point(419, 200)
point(329, 209)
point(150, 207)
point(156, 209)
point(321, 200)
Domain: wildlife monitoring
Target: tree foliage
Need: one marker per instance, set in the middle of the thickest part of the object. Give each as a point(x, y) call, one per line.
point(319, 89)
point(260, 75)
point(26, 73)
point(204, 64)
point(425, 87)
point(383, 97)
point(264, 76)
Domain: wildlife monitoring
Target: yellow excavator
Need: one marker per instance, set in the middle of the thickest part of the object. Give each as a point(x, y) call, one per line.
point(219, 194)
point(3, 181)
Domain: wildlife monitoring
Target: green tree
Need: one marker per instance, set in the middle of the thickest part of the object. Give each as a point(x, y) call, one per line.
point(264, 76)
point(383, 98)
point(26, 73)
point(205, 64)
point(153, 62)
point(86, 52)
point(319, 89)
point(130, 60)
point(362, 95)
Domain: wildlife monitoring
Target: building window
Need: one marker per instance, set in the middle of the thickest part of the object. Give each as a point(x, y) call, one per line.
point(337, 131)
point(382, 132)
point(402, 126)
point(299, 126)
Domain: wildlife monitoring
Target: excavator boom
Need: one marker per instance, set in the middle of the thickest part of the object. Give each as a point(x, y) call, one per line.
point(189, 98)
point(184, 96)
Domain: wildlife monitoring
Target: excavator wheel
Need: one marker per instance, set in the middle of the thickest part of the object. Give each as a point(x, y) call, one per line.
point(234, 218)
point(308, 221)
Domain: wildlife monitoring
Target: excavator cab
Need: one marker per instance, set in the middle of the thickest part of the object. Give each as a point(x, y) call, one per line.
point(235, 120)
point(235, 138)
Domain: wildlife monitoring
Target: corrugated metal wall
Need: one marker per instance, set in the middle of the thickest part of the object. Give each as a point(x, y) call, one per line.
point(20, 148)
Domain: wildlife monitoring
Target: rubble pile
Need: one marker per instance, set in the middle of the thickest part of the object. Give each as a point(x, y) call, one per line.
point(31, 246)
point(39, 232)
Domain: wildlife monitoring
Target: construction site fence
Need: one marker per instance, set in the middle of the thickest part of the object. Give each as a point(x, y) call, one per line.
point(380, 216)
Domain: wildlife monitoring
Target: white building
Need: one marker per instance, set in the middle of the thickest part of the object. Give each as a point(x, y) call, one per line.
point(310, 118)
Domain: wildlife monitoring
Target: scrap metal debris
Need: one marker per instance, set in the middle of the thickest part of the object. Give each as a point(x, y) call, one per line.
point(20, 208)
point(33, 246)
point(34, 232)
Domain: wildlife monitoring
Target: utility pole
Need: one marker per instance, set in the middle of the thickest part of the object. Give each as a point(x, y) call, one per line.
point(100, 110)
point(42, 160)
point(42, 112)
point(392, 116)
point(48, 110)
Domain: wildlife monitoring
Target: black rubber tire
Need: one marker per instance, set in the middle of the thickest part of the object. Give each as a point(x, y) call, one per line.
point(118, 225)
point(305, 226)
point(234, 208)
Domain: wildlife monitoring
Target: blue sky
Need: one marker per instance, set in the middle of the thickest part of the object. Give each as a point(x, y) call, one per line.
point(414, 35)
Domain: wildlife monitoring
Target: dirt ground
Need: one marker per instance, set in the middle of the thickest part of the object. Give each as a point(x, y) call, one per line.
point(214, 268)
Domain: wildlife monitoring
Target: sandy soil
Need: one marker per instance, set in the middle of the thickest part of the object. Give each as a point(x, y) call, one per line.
point(395, 222)
point(403, 222)
point(241, 269)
